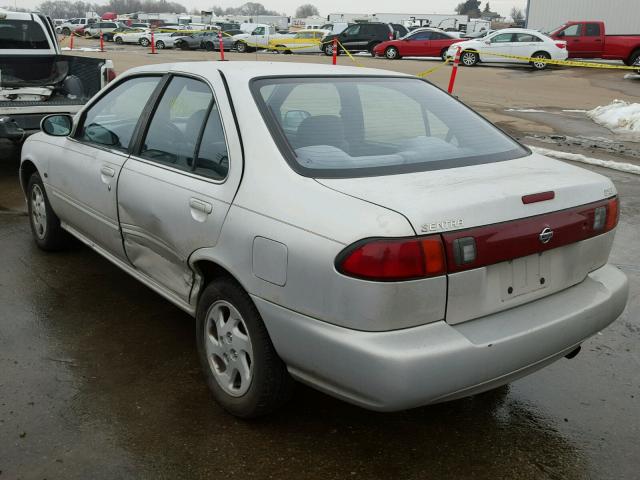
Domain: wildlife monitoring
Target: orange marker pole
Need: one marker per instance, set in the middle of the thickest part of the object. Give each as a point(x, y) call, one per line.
point(335, 50)
point(454, 71)
point(101, 42)
point(221, 46)
point(71, 41)
point(153, 44)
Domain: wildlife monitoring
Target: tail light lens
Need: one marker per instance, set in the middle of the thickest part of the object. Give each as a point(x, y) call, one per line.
point(397, 259)
point(613, 214)
point(111, 74)
point(394, 259)
point(561, 45)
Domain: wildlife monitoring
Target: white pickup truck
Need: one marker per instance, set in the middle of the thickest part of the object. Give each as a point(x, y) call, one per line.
point(258, 39)
point(36, 79)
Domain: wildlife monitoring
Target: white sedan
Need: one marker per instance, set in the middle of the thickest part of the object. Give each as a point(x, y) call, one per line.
point(505, 45)
point(130, 36)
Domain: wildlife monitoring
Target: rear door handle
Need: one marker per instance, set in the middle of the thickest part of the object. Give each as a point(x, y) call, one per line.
point(107, 171)
point(200, 205)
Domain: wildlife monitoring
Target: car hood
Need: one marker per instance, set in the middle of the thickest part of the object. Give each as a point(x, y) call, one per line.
point(471, 44)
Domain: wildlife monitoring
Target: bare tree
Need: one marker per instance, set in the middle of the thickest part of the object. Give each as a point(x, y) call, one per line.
point(517, 15)
point(306, 10)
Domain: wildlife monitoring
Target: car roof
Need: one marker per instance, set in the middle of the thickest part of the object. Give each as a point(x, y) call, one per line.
point(248, 70)
point(516, 30)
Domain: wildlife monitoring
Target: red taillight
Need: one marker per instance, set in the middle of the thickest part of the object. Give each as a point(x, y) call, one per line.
point(561, 45)
point(394, 259)
point(111, 74)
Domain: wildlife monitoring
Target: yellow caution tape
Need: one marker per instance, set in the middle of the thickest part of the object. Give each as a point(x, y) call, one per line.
point(550, 61)
point(340, 46)
point(431, 70)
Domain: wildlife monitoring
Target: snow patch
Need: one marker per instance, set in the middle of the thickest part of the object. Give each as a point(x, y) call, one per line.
point(81, 49)
point(576, 157)
point(575, 111)
point(618, 116)
point(525, 110)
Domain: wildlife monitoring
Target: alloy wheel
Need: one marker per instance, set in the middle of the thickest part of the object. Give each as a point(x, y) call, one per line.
point(38, 212)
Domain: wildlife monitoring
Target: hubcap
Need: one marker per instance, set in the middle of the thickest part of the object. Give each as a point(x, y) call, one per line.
point(38, 212)
point(391, 53)
point(540, 64)
point(229, 349)
point(468, 58)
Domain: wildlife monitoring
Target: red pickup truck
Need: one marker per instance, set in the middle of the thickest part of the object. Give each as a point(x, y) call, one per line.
point(587, 39)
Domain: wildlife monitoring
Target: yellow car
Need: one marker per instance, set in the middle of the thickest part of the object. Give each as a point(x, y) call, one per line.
point(304, 41)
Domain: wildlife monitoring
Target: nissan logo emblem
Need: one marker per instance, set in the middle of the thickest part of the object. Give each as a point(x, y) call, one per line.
point(546, 235)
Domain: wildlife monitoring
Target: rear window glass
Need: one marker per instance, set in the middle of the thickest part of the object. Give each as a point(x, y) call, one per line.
point(364, 126)
point(22, 34)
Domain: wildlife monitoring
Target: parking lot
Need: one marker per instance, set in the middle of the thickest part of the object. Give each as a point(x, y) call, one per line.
point(100, 378)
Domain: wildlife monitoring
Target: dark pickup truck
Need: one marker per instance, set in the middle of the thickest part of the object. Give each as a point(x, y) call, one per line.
point(36, 79)
point(587, 39)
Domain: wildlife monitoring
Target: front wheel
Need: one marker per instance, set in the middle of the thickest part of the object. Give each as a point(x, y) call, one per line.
point(443, 54)
point(209, 47)
point(45, 224)
point(371, 48)
point(328, 49)
point(160, 45)
point(392, 53)
point(539, 64)
point(145, 42)
point(87, 35)
point(119, 40)
point(469, 59)
point(240, 364)
point(66, 32)
point(241, 47)
point(634, 60)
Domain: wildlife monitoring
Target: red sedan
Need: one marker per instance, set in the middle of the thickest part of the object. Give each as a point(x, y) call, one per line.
point(419, 43)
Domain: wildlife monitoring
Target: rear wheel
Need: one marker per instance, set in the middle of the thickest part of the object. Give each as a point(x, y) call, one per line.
point(469, 59)
point(144, 42)
point(443, 54)
point(118, 40)
point(66, 31)
point(241, 47)
point(45, 224)
point(184, 46)
point(634, 60)
point(392, 53)
point(540, 64)
point(241, 366)
point(209, 47)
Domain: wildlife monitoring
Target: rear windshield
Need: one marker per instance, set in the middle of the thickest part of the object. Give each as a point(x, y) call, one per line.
point(22, 34)
point(365, 126)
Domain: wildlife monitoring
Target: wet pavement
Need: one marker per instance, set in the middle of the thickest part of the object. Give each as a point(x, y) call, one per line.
point(99, 379)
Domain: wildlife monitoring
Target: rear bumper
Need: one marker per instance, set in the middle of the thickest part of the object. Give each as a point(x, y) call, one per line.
point(401, 369)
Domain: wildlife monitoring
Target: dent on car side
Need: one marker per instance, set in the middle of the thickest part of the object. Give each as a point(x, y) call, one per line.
point(359, 340)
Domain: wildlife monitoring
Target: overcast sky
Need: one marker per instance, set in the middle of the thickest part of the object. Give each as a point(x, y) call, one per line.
point(335, 6)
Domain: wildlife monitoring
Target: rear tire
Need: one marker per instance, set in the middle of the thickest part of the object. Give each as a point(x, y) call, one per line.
point(634, 60)
point(241, 47)
point(469, 59)
point(240, 364)
point(328, 49)
point(145, 42)
point(540, 65)
point(443, 54)
point(66, 32)
point(45, 224)
point(118, 40)
point(392, 53)
point(209, 47)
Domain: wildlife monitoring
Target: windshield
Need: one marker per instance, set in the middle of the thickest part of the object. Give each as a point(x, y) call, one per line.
point(362, 126)
point(22, 34)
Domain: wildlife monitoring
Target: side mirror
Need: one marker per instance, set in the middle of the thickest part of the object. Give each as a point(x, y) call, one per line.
point(57, 125)
point(560, 34)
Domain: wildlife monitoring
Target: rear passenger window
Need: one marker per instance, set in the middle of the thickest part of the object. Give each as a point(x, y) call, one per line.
point(593, 30)
point(173, 133)
point(213, 158)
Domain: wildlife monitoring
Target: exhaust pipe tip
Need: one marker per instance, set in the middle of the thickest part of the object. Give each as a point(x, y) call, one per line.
point(573, 353)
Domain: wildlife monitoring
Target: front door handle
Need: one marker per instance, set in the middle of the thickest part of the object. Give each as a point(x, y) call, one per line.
point(107, 171)
point(201, 205)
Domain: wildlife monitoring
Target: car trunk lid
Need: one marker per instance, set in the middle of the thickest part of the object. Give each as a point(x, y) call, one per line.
point(505, 207)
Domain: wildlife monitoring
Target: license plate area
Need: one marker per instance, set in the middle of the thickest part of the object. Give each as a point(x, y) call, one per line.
point(524, 275)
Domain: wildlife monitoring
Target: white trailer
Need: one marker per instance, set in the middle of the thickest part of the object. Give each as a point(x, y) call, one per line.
point(620, 17)
point(439, 20)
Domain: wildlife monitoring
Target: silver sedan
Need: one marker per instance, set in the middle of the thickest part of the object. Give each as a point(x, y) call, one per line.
point(356, 230)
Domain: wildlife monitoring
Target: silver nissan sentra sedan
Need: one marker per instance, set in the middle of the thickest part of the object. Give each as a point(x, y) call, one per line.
point(357, 230)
